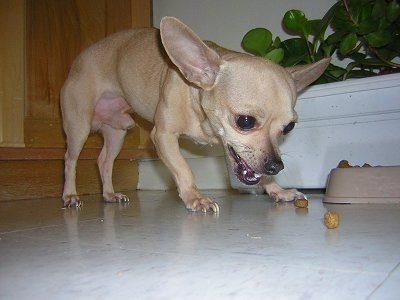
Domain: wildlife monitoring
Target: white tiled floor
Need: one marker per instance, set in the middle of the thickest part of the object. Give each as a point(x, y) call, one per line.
point(152, 248)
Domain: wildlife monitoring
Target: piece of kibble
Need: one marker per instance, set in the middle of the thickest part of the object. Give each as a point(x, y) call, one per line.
point(344, 164)
point(331, 219)
point(302, 203)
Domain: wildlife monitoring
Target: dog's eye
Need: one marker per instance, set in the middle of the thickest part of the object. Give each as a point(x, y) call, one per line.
point(288, 128)
point(245, 122)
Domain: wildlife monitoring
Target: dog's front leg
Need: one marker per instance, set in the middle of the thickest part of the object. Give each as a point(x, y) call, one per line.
point(168, 150)
point(277, 193)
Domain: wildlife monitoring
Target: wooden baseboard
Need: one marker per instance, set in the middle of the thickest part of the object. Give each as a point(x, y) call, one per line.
point(33, 179)
point(39, 173)
point(9, 153)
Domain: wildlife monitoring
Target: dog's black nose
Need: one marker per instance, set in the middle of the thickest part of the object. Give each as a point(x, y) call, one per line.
point(273, 166)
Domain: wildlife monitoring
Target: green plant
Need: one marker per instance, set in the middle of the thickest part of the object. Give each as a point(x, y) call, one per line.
point(364, 32)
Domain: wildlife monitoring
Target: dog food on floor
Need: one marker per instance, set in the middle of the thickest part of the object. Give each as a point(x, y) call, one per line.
point(331, 219)
point(301, 203)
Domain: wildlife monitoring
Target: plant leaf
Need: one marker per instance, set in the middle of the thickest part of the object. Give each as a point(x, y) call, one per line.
point(326, 20)
point(295, 52)
point(341, 20)
point(327, 50)
point(379, 38)
point(357, 56)
point(367, 27)
point(335, 37)
point(276, 55)
point(348, 43)
point(257, 41)
point(366, 12)
point(386, 53)
point(296, 21)
point(360, 74)
point(378, 10)
point(315, 27)
point(277, 42)
point(373, 63)
point(337, 73)
point(393, 11)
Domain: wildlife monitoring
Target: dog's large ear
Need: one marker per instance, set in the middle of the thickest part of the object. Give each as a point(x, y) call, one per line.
point(196, 61)
point(303, 75)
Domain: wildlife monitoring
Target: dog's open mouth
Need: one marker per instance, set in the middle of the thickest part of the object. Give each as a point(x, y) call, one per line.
point(242, 170)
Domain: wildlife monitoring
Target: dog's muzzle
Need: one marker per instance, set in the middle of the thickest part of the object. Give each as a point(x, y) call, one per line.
point(242, 170)
point(273, 166)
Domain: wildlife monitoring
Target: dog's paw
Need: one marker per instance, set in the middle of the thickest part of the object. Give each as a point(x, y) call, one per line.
point(116, 198)
point(202, 204)
point(72, 201)
point(287, 195)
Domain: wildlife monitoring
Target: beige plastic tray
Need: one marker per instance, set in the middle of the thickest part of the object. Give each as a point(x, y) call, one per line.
point(364, 185)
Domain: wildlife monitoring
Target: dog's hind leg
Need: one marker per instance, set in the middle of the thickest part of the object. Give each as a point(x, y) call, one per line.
point(113, 140)
point(76, 138)
point(77, 115)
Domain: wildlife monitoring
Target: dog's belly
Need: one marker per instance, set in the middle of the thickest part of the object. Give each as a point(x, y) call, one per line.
point(112, 110)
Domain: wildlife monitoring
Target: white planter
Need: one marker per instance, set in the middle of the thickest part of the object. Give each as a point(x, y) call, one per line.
point(357, 120)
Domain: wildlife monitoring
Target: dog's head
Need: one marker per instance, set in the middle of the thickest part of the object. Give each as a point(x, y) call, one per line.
point(249, 101)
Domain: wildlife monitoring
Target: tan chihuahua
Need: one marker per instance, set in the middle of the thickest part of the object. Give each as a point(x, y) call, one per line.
point(185, 87)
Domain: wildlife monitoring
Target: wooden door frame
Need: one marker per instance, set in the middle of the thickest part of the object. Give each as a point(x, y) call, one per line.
point(12, 67)
point(36, 171)
point(12, 73)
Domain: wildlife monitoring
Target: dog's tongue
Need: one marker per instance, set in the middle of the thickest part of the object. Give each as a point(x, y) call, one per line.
point(243, 172)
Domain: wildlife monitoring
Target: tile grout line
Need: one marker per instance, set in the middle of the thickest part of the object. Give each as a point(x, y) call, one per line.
point(383, 281)
point(43, 227)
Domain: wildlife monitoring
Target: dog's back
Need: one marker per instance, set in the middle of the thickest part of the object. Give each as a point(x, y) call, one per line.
point(126, 64)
